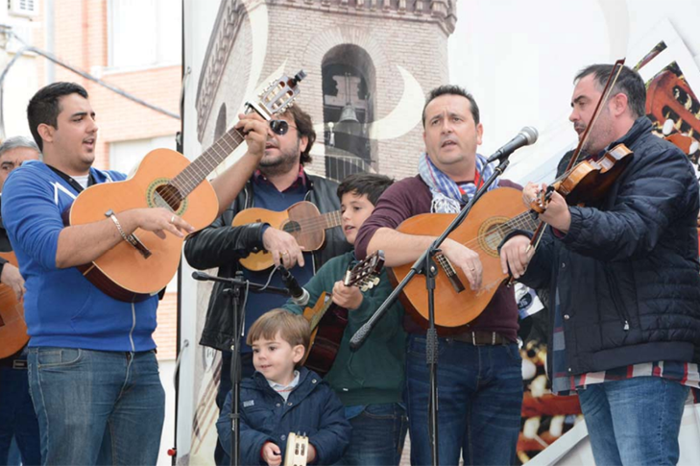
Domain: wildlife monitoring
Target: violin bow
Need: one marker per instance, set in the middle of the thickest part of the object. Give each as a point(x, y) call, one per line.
point(607, 90)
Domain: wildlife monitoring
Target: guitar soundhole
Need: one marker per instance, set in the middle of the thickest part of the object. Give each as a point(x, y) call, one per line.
point(167, 195)
point(490, 235)
point(292, 227)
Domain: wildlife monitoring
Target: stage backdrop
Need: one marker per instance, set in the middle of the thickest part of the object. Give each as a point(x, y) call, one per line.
point(369, 65)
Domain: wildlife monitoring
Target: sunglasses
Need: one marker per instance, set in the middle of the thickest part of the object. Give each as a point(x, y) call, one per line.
point(280, 127)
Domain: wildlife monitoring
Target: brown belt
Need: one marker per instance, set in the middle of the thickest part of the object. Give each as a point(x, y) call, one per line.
point(480, 338)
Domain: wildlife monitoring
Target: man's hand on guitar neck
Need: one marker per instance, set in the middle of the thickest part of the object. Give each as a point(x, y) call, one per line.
point(12, 278)
point(347, 297)
point(284, 248)
point(231, 182)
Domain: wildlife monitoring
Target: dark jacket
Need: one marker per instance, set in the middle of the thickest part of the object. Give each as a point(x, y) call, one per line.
point(312, 407)
point(221, 245)
point(375, 372)
point(627, 272)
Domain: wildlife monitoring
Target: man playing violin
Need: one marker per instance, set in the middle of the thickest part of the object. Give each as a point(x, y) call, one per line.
point(276, 183)
point(479, 367)
point(623, 278)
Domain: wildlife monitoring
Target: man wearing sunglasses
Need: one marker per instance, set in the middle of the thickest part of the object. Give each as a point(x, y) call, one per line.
point(278, 182)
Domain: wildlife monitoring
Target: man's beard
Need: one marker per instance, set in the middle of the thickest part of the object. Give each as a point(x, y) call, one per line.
point(281, 164)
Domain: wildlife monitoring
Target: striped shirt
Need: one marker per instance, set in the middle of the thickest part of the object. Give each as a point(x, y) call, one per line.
point(285, 390)
point(563, 383)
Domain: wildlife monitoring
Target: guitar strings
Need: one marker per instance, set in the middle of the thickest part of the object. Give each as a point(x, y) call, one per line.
point(192, 175)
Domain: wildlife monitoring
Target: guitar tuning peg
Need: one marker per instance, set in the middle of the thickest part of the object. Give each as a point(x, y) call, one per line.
point(375, 281)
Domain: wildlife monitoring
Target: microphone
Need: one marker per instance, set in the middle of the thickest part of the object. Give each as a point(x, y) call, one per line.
point(300, 296)
point(526, 136)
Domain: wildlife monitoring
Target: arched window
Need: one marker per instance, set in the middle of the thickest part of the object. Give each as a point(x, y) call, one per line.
point(348, 108)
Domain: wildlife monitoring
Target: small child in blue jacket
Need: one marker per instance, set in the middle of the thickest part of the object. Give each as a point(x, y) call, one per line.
point(281, 398)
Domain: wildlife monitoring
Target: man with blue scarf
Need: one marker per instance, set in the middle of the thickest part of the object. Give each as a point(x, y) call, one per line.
point(479, 367)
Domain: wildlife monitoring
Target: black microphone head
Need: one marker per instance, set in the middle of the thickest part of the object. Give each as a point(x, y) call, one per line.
point(530, 134)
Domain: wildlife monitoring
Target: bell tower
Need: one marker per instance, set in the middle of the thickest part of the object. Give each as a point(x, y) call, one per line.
point(369, 65)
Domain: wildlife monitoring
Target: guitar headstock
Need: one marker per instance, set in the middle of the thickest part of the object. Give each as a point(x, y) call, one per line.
point(278, 96)
point(365, 274)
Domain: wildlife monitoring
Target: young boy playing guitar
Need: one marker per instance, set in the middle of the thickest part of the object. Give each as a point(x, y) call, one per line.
point(368, 381)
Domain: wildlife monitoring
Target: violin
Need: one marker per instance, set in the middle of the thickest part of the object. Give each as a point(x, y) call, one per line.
point(589, 181)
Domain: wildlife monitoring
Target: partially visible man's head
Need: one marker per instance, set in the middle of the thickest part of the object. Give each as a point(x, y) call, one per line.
point(285, 152)
point(450, 89)
point(13, 152)
point(62, 122)
point(451, 129)
point(629, 83)
point(44, 107)
point(626, 103)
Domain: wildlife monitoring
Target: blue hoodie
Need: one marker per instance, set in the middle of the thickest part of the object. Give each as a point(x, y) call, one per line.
point(62, 308)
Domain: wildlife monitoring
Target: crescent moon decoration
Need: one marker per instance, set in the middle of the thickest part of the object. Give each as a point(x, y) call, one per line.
point(404, 117)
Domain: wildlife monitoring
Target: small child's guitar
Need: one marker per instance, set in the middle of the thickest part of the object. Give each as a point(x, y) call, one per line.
point(303, 221)
point(328, 320)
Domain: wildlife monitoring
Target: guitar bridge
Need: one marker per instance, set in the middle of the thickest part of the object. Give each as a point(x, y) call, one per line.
point(134, 241)
point(450, 272)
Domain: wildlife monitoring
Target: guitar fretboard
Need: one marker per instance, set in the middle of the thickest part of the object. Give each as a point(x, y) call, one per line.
point(526, 221)
point(189, 178)
point(332, 219)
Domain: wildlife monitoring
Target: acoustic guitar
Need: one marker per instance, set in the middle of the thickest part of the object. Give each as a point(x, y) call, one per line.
point(302, 220)
point(498, 213)
point(328, 320)
point(297, 448)
point(13, 329)
point(134, 270)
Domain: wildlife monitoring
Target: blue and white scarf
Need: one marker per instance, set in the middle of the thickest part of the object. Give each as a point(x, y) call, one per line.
point(447, 197)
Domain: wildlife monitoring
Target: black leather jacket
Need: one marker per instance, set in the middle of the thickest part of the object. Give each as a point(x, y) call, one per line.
point(627, 272)
point(220, 245)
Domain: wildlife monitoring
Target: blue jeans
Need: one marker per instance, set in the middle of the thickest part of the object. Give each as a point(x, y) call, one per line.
point(17, 418)
point(480, 393)
point(97, 406)
point(634, 421)
point(378, 433)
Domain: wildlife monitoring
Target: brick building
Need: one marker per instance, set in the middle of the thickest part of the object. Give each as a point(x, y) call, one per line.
point(369, 65)
point(134, 45)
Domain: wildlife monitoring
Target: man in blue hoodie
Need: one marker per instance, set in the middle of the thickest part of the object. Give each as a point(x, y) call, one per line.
point(93, 372)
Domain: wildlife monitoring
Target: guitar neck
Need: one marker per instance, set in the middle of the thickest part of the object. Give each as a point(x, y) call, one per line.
point(316, 319)
point(526, 221)
point(331, 219)
point(196, 172)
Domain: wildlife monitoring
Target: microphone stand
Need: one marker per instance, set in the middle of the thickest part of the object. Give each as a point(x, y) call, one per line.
point(425, 265)
point(236, 298)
